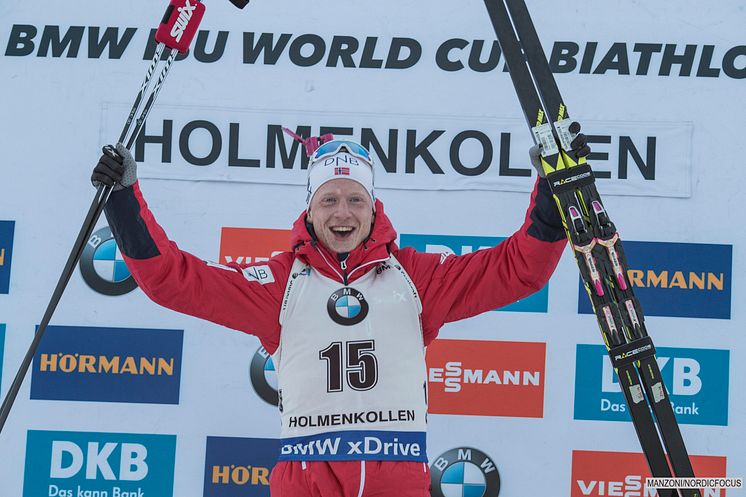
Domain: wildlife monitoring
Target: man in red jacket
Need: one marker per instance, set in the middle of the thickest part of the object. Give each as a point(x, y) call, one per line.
point(345, 313)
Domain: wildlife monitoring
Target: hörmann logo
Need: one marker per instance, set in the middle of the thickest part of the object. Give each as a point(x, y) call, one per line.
point(250, 245)
point(460, 245)
point(6, 253)
point(108, 365)
point(677, 279)
point(606, 474)
point(71, 464)
point(486, 378)
point(697, 381)
point(239, 467)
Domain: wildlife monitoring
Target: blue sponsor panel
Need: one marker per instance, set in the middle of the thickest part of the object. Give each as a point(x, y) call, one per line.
point(461, 245)
point(691, 280)
point(108, 365)
point(69, 464)
point(697, 381)
point(6, 253)
point(239, 467)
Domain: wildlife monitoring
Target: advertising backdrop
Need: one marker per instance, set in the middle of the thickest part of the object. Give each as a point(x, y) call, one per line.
point(128, 398)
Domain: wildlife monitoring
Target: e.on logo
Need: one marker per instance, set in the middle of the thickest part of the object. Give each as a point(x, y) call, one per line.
point(247, 245)
point(622, 474)
point(487, 378)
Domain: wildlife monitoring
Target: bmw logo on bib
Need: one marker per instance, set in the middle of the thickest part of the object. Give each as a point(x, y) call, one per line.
point(347, 306)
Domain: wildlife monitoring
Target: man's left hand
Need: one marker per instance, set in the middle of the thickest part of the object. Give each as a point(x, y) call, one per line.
point(579, 148)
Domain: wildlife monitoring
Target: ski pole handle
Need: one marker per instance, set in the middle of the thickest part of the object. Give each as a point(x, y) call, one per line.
point(180, 24)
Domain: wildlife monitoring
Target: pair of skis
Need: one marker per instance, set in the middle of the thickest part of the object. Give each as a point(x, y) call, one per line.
point(595, 243)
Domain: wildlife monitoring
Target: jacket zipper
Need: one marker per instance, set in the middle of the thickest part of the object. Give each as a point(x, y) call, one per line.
point(343, 264)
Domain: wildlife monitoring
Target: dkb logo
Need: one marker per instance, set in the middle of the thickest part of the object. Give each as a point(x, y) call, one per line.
point(697, 381)
point(67, 464)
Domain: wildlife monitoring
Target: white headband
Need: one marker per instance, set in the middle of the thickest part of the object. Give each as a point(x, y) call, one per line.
point(341, 165)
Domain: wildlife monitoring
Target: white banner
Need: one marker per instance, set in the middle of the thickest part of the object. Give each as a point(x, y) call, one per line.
point(427, 152)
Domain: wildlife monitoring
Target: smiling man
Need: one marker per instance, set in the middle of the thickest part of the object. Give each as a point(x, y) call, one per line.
point(345, 313)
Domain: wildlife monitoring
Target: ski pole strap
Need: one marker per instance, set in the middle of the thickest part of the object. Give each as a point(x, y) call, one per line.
point(632, 351)
point(180, 23)
point(571, 178)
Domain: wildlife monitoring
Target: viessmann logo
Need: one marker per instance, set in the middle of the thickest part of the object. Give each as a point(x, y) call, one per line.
point(249, 245)
point(6, 253)
point(239, 467)
point(460, 245)
point(108, 365)
point(70, 464)
point(697, 381)
point(605, 474)
point(486, 378)
point(678, 279)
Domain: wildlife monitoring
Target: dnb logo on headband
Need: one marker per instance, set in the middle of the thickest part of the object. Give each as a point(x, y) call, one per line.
point(103, 267)
point(464, 472)
point(347, 306)
point(264, 377)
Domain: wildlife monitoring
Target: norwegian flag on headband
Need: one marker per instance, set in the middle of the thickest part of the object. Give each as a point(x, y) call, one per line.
point(341, 170)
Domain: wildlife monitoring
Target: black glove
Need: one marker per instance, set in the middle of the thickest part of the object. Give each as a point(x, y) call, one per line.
point(116, 168)
point(579, 147)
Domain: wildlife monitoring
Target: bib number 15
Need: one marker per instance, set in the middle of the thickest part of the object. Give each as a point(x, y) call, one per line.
point(353, 361)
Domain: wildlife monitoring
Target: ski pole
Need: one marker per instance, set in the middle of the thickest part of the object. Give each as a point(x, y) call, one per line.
point(176, 31)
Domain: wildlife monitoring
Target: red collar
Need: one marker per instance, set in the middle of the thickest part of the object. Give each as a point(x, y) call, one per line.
point(363, 258)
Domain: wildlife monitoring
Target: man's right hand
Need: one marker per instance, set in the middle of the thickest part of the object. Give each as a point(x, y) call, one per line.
point(116, 168)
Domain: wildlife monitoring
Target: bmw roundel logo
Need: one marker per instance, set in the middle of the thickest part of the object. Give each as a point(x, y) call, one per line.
point(464, 471)
point(103, 267)
point(347, 306)
point(264, 377)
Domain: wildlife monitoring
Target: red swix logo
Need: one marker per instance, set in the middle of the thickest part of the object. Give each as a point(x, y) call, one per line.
point(247, 245)
point(622, 474)
point(185, 14)
point(487, 378)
